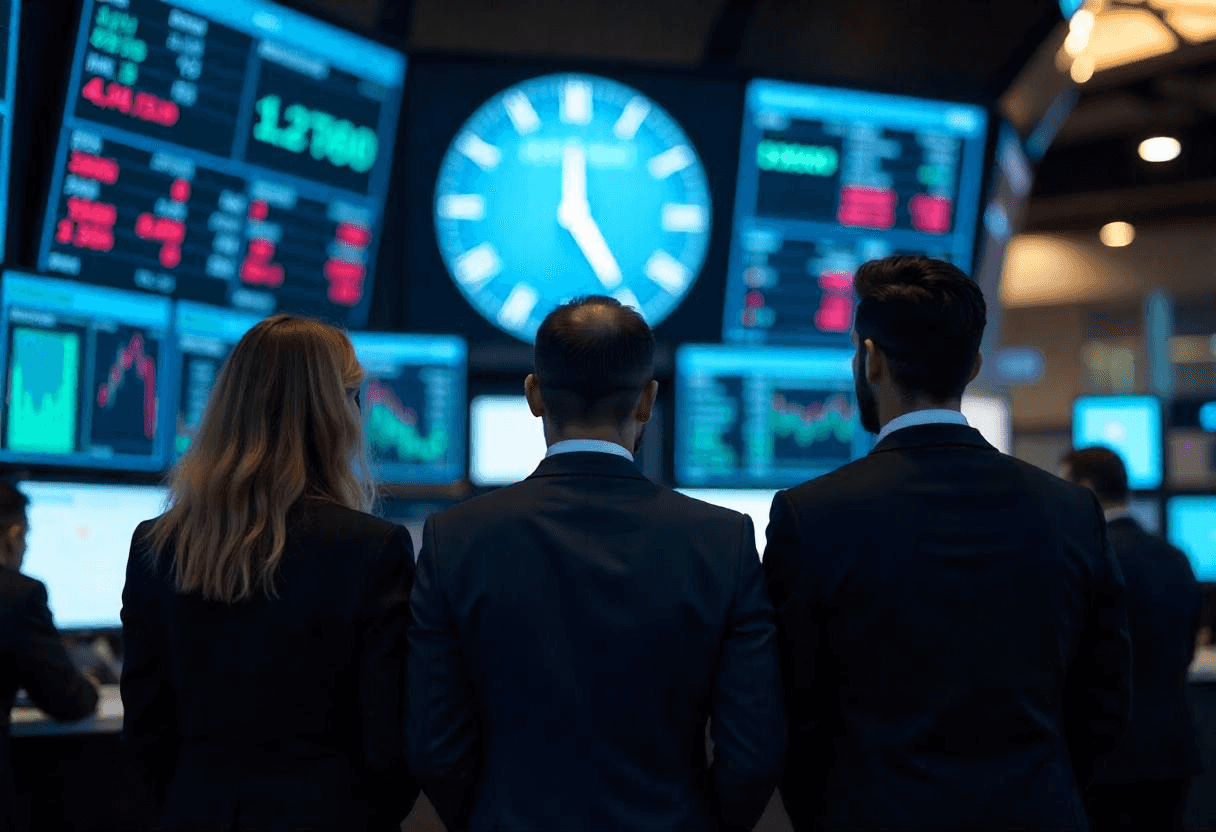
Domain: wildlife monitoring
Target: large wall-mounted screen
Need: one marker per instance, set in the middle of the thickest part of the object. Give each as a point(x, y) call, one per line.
point(414, 405)
point(85, 367)
point(235, 154)
point(764, 417)
point(10, 20)
point(831, 178)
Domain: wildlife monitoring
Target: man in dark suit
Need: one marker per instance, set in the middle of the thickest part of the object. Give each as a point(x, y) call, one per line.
point(951, 621)
point(1144, 783)
point(573, 632)
point(32, 655)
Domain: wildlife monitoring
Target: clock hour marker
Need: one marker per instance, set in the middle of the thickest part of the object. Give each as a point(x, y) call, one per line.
point(667, 271)
point(689, 218)
point(520, 110)
point(486, 155)
point(576, 102)
point(670, 161)
point(628, 298)
point(477, 265)
point(462, 207)
point(631, 119)
point(518, 306)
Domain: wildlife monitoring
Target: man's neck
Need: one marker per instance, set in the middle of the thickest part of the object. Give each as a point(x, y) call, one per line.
point(904, 407)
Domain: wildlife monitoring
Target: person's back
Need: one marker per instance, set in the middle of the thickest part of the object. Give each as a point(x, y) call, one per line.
point(1144, 783)
point(572, 634)
point(264, 688)
point(952, 621)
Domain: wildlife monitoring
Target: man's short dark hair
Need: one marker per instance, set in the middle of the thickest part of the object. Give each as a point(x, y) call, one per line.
point(928, 319)
point(1102, 470)
point(593, 357)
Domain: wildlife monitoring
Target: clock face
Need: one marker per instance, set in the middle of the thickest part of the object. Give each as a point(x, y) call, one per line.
point(569, 185)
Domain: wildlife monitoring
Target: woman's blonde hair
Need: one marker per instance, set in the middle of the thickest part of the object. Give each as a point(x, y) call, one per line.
point(281, 425)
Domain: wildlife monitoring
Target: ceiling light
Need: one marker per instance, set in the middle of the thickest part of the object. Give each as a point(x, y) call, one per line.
point(1082, 68)
point(1117, 234)
point(1160, 149)
point(1124, 35)
point(1079, 30)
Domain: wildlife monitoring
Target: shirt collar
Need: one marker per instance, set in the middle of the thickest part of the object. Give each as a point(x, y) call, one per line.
point(919, 418)
point(1118, 514)
point(595, 446)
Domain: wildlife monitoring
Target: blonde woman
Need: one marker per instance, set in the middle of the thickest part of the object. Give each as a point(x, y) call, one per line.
point(264, 613)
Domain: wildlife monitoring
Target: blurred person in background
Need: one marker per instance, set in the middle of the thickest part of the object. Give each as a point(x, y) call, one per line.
point(32, 653)
point(574, 632)
point(265, 614)
point(951, 620)
point(1143, 785)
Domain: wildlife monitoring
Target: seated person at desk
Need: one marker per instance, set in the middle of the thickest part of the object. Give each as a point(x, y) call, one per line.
point(32, 655)
point(265, 615)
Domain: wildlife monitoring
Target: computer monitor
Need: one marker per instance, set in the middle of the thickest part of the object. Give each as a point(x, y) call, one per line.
point(233, 153)
point(989, 414)
point(1191, 524)
point(831, 178)
point(1131, 426)
point(506, 442)
point(756, 503)
point(85, 366)
point(763, 417)
point(414, 405)
point(205, 336)
point(78, 544)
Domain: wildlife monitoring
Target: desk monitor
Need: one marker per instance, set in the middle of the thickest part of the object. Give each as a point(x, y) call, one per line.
point(1129, 425)
point(506, 442)
point(1191, 524)
point(414, 405)
point(756, 503)
point(232, 153)
point(85, 366)
point(79, 540)
point(831, 178)
point(763, 417)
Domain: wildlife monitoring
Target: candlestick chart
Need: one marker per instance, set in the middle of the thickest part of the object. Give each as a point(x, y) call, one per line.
point(125, 403)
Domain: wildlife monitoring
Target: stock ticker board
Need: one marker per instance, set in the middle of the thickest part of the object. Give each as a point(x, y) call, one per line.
point(831, 178)
point(234, 154)
point(767, 417)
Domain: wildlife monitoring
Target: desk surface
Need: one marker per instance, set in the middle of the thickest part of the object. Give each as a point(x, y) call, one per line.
point(31, 722)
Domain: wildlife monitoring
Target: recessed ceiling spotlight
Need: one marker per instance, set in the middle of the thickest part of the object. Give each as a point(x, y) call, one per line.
point(1160, 149)
point(1117, 234)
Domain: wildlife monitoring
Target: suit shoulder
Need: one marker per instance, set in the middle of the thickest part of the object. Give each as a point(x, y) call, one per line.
point(323, 520)
point(696, 511)
point(17, 589)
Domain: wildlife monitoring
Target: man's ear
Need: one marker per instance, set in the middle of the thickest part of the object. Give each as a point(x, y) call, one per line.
point(645, 406)
point(876, 361)
point(532, 393)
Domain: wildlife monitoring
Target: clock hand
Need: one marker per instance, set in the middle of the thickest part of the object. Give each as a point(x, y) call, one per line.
point(574, 215)
point(574, 179)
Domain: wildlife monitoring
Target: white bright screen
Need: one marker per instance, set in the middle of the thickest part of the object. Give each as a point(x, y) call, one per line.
point(506, 442)
point(755, 503)
point(78, 543)
point(990, 416)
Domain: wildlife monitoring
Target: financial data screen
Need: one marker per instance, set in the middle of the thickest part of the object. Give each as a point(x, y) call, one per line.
point(78, 544)
point(235, 154)
point(1191, 524)
point(85, 367)
point(205, 336)
point(764, 417)
point(1132, 427)
point(10, 19)
point(414, 405)
point(831, 178)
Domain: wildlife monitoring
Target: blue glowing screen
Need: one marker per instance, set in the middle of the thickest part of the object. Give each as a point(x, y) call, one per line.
point(10, 20)
point(831, 178)
point(763, 417)
point(235, 154)
point(1191, 522)
point(1129, 425)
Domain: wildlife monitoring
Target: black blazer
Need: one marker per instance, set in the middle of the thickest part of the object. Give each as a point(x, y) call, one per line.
point(1164, 605)
point(282, 714)
point(32, 656)
point(954, 640)
point(572, 633)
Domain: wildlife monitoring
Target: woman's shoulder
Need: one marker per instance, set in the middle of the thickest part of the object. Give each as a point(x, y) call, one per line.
point(327, 518)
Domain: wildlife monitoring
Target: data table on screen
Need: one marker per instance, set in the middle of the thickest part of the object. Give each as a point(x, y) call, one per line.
point(230, 154)
point(831, 178)
point(414, 405)
point(764, 418)
point(86, 366)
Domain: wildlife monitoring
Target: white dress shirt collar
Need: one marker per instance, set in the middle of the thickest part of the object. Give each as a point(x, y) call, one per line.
point(919, 418)
point(1119, 514)
point(595, 446)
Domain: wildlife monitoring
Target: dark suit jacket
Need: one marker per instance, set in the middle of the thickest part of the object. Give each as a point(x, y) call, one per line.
point(282, 714)
point(954, 640)
point(1164, 605)
point(572, 633)
point(32, 656)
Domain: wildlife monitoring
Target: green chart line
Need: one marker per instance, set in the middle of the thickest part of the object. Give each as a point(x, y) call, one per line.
point(808, 424)
point(45, 391)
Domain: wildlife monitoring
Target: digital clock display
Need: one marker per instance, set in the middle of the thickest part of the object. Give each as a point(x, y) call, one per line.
point(232, 154)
